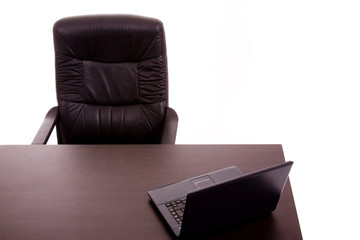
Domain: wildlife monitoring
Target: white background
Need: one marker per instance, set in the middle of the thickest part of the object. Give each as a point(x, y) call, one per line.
point(240, 72)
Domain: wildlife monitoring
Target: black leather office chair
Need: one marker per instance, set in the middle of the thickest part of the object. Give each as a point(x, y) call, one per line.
point(111, 82)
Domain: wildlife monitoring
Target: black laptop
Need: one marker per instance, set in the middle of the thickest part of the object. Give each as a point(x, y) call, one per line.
point(219, 199)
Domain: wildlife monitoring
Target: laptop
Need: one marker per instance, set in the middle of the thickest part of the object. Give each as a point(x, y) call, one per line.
point(220, 199)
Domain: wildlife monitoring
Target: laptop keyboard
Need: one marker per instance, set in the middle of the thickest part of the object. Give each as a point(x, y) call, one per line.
point(176, 209)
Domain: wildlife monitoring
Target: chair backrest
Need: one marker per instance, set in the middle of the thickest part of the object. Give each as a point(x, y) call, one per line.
point(111, 79)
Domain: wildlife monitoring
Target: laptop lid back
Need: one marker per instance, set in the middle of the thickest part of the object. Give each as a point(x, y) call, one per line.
point(235, 201)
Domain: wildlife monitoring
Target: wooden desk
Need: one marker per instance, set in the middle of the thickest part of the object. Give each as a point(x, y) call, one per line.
point(99, 192)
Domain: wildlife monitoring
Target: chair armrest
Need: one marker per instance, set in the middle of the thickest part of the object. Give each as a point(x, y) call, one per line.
point(170, 127)
point(47, 127)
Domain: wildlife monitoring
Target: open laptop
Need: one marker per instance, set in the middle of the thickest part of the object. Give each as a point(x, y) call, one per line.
point(219, 199)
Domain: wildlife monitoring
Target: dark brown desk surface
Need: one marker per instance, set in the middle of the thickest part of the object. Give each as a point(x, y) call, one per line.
point(99, 192)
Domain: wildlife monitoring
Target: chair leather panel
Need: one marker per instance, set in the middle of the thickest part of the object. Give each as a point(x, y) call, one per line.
point(69, 84)
point(93, 124)
point(110, 83)
point(152, 80)
point(109, 38)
